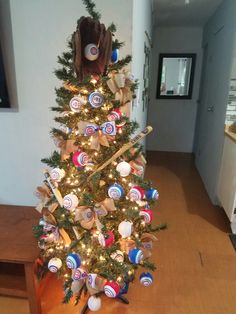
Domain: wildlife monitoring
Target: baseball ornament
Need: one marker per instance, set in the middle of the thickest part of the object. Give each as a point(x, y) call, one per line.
point(70, 201)
point(111, 289)
point(146, 279)
point(96, 99)
point(136, 193)
point(118, 256)
point(152, 194)
point(73, 261)
point(57, 174)
point(76, 103)
point(106, 240)
point(80, 159)
point(115, 114)
point(146, 214)
point(54, 264)
point(125, 229)
point(94, 303)
point(116, 191)
point(115, 56)
point(65, 129)
point(91, 52)
point(135, 256)
point(123, 168)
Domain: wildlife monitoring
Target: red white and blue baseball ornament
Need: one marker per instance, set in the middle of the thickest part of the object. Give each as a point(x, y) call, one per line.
point(115, 114)
point(118, 256)
point(96, 99)
point(125, 229)
point(107, 239)
point(116, 191)
point(152, 194)
point(94, 303)
point(91, 52)
point(135, 256)
point(111, 289)
point(79, 274)
point(76, 103)
point(136, 193)
point(65, 129)
point(123, 168)
point(70, 201)
point(57, 174)
point(80, 159)
point(54, 264)
point(146, 214)
point(73, 261)
point(115, 55)
point(146, 279)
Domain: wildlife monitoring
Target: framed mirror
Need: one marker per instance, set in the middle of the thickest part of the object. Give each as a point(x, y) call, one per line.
point(175, 75)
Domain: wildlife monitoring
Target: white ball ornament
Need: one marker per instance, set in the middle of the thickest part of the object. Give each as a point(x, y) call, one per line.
point(123, 168)
point(125, 229)
point(91, 52)
point(57, 174)
point(118, 256)
point(54, 264)
point(94, 303)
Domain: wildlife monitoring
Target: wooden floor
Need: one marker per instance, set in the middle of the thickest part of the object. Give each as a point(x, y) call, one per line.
point(196, 261)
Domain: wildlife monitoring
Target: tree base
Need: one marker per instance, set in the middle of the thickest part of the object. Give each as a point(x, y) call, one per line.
point(121, 298)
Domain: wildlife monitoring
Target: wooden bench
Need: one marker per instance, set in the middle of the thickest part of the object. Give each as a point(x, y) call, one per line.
point(18, 252)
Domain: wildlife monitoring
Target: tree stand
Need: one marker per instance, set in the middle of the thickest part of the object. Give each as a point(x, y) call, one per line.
point(121, 298)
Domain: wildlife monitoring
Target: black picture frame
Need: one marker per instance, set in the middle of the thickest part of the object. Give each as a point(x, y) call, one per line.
point(4, 97)
point(160, 65)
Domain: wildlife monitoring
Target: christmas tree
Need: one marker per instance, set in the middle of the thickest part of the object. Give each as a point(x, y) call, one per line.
point(95, 229)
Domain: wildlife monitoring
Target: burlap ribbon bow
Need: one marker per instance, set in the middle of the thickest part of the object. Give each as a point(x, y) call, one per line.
point(89, 216)
point(119, 84)
point(66, 146)
point(51, 225)
point(128, 244)
point(93, 287)
point(99, 135)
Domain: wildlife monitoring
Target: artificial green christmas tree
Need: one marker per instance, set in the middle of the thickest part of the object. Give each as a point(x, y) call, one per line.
point(96, 226)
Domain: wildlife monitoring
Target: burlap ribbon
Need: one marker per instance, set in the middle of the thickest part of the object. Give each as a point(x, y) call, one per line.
point(44, 194)
point(66, 146)
point(128, 244)
point(97, 138)
point(52, 223)
point(89, 216)
point(119, 84)
point(98, 285)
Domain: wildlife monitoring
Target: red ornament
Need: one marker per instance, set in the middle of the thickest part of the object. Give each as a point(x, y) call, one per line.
point(136, 193)
point(106, 240)
point(111, 289)
point(80, 159)
point(147, 215)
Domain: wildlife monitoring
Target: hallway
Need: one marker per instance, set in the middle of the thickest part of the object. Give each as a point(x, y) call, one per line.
point(196, 261)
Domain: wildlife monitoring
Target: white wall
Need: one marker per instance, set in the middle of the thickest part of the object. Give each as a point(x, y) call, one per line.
point(142, 21)
point(174, 120)
point(39, 31)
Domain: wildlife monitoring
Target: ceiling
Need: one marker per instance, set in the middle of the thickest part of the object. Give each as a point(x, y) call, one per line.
point(179, 13)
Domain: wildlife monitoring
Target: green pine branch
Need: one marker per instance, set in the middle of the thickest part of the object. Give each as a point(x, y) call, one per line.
point(90, 7)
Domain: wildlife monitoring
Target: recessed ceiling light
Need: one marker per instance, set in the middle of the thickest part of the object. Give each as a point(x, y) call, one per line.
point(187, 1)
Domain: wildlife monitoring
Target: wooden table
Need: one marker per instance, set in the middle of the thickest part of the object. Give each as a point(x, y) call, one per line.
point(18, 252)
